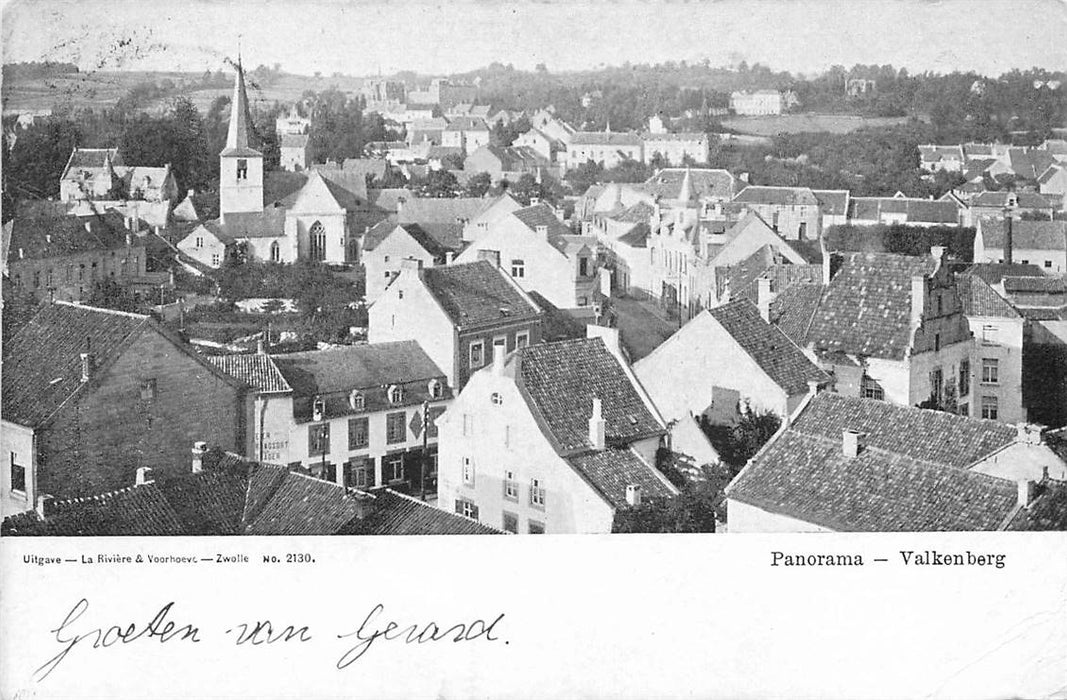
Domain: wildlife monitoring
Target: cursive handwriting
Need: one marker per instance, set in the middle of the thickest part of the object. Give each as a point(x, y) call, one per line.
point(413, 634)
point(158, 628)
point(263, 632)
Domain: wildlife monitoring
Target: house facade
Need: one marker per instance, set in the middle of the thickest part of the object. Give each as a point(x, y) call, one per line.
point(759, 102)
point(1041, 243)
point(676, 149)
point(388, 244)
point(606, 148)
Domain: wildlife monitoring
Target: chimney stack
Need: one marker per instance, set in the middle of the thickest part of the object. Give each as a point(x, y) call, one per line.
point(813, 387)
point(87, 366)
point(1030, 434)
point(1026, 492)
point(449, 257)
point(918, 299)
point(199, 449)
point(597, 426)
point(764, 297)
point(499, 353)
point(142, 476)
point(852, 443)
point(633, 495)
point(542, 230)
point(261, 347)
point(46, 506)
point(937, 252)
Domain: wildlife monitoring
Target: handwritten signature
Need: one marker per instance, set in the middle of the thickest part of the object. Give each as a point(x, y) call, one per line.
point(262, 632)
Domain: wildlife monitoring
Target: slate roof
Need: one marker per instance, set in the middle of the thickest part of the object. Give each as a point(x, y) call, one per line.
point(931, 211)
point(233, 496)
point(464, 123)
point(911, 474)
point(269, 223)
point(1046, 284)
point(637, 237)
point(476, 293)
point(768, 346)
point(1025, 200)
point(833, 202)
point(560, 380)
point(866, 309)
point(706, 183)
point(611, 470)
point(794, 308)
point(603, 138)
point(1048, 510)
point(42, 362)
point(53, 235)
point(91, 158)
point(1029, 162)
point(979, 299)
point(1025, 235)
point(446, 210)
point(257, 371)
point(557, 324)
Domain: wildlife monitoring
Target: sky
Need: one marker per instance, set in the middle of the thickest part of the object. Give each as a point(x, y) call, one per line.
point(363, 37)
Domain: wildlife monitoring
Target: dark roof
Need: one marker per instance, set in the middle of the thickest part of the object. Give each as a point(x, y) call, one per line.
point(1048, 510)
point(1025, 235)
point(560, 381)
point(979, 299)
point(910, 475)
point(257, 371)
point(350, 367)
point(557, 324)
point(542, 215)
point(477, 292)
point(1025, 200)
point(437, 240)
point(611, 470)
point(92, 158)
point(705, 182)
point(269, 223)
point(42, 362)
point(866, 308)
point(771, 349)
point(233, 496)
point(993, 273)
point(794, 308)
point(1042, 284)
point(832, 202)
point(602, 138)
point(279, 184)
point(445, 210)
point(378, 233)
point(49, 236)
point(637, 237)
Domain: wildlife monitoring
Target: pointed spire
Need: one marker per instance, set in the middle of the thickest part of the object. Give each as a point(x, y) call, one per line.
point(687, 193)
point(237, 136)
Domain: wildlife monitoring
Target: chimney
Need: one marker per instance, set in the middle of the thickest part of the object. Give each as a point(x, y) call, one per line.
point(22, 253)
point(1030, 434)
point(1026, 491)
point(190, 193)
point(318, 409)
point(142, 476)
point(47, 238)
point(542, 230)
point(87, 366)
point(1008, 238)
point(764, 297)
point(597, 426)
point(499, 353)
point(129, 240)
point(633, 495)
point(449, 257)
point(918, 299)
point(199, 448)
point(813, 387)
point(261, 347)
point(126, 222)
point(937, 252)
point(852, 443)
point(46, 506)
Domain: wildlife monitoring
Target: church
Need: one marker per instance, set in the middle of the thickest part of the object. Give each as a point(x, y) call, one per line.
point(320, 214)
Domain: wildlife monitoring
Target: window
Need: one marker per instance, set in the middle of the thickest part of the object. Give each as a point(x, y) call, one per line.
point(199, 241)
point(990, 371)
point(275, 252)
point(511, 522)
point(468, 424)
point(242, 169)
point(317, 236)
point(386, 258)
point(215, 260)
point(1048, 263)
point(989, 407)
point(359, 474)
point(431, 425)
point(328, 472)
point(965, 378)
point(496, 399)
point(436, 389)
point(358, 433)
point(937, 342)
point(357, 401)
point(583, 267)
point(476, 354)
point(803, 230)
point(963, 410)
point(395, 429)
point(468, 471)
point(511, 487)
point(518, 268)
point(936, 382)
point(394, 468)
point(537, 494)
point(500, 345)
point(466, 509)
point(583, 301)
point(148, 389)
point(396, 394)
point(319, 439)
point(18, 475)
point(989, 335)
point(535, 528)
point(940, 306)
point(522, 339)
point(870, 389)
point(1025, 262)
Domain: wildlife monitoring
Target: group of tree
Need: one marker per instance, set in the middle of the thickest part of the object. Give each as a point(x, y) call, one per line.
point(339, 127)
point(35, 70)
point(902, 239)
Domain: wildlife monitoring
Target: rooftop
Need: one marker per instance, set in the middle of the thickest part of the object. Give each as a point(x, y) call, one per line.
point(476, 293)
point(979, 299)
point(611, 470)
point(705, 183)
point(1025, 235)
point(256, 371)
point(54, 235)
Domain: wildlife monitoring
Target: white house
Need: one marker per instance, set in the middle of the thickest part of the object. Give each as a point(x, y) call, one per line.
point(388, 244)
point(206, 244)
point(1041, 243)
point(552, 438)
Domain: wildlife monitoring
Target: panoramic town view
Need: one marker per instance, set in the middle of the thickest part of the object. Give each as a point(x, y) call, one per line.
point(718, 295)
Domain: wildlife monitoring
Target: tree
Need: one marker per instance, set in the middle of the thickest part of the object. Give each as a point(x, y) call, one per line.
point(738, 443)
point(695, 509)
point(437, 183)
point(478, 184)
point(106, 293)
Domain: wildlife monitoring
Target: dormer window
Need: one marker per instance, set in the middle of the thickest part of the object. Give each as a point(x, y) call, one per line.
point(318, 409)
point(436, 390)
point(356, 401)
point(396, 394)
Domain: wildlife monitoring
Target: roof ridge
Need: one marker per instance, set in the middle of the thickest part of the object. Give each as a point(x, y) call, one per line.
point(114, 312)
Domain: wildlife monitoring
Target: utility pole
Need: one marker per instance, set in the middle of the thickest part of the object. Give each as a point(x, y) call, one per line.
point(425, 449)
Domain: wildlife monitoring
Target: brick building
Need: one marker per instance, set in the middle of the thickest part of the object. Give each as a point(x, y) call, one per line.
point(91, 395)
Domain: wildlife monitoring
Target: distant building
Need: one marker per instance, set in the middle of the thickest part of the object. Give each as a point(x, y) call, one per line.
point(855, 87)
point(99, 174)
point(92, 395)
point(847, 464)
point(383, 91)
point(898, 209)
point(1041, 243)
point(795, 213)
point(676, 149)
point(506, 161)
point(466, 133)
point(553, 438)
point(606, 148)
point(293, 124)
point(997, 205)
point(934, 158)
point(388, 244)
point(458, 313)
point(760, 102)
point(294, 152)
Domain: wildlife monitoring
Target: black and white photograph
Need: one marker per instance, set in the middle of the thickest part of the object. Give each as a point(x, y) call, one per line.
point(737, 269)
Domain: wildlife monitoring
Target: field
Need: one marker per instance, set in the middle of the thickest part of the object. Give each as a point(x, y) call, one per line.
point(800, 123)
point(103, 89)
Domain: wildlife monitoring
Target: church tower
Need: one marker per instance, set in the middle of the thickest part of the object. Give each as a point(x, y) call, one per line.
point(240, 165)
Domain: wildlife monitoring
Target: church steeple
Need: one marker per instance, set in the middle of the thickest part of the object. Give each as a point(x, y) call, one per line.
point(237, 136)
point(240, 165)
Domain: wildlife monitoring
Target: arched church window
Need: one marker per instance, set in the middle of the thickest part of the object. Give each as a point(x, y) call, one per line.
point(318, 241)
point(275, 252)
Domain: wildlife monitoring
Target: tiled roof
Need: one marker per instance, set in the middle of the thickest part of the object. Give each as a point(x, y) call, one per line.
point(809, 478)
point(706, 183)
point(794, 308)
point(1025, 235)
point(637, 237)
point(1046, 284)
point(1029, 163)
point(42, 362)
point(685, 136)
point(610, 471)
point(832, 202)
point(1049, 173)
point(269, 223)
point(49, 236)
point(375, 167)
point(561, 379)
point(768, 346)
point(1048, 510)
point(233, 496)
point(466, 124)
point(782, 196)
point(1025, 200)
point(993, 273)
point(475, 293)
point(602, 138)
point(866, 309)
point(979, 299)
point(378, 233)
point(387, 199)
point(92, 158)
point(542, 215)
point(257, 371)
point(557, 324)
point(931, 211)
point(639, 213)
